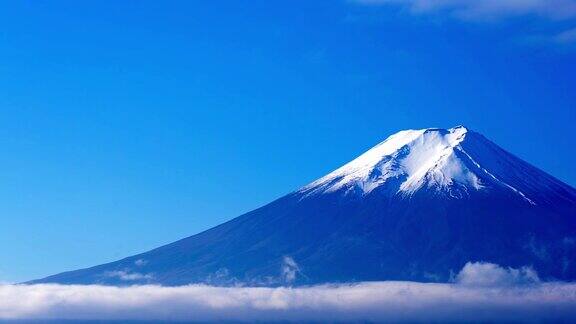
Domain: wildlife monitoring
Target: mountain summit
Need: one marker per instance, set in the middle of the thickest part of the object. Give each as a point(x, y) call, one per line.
point(417, 206)
point(454, 162)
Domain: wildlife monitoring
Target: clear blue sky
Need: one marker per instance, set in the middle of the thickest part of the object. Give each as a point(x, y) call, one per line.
point(125, 125)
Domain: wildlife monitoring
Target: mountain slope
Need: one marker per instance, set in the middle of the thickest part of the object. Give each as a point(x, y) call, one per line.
point(417, 206)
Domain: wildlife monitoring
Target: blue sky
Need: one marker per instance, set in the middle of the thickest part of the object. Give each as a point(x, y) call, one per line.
point(125, 125)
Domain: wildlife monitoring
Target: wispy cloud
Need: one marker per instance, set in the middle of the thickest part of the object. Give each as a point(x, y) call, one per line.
point(483, 274)
point(126, 275)
point(565, 37)
point(504, 299)
point(487, 9)
point(140, 262)
point(289, 269)
point(557, 14)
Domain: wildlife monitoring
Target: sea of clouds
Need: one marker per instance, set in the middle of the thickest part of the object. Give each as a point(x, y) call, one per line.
point(480, 292)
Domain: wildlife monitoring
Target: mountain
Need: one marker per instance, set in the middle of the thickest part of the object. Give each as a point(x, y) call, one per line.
point(417, 206)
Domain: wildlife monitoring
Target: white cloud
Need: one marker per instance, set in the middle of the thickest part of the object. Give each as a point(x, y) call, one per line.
point(289, 269)
point(128, 276)
point(487, 9)
point(491, 275)
point(554, 14)
point(504, 299)
point(140, 262)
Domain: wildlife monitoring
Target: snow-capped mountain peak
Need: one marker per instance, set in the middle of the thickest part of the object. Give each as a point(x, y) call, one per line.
point(443, 160)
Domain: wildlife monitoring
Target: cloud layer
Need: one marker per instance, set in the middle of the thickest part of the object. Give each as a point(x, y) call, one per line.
point(507, 294)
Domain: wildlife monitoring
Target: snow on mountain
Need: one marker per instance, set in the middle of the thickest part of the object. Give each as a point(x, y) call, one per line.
point(417, 157)
point(443, 160)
